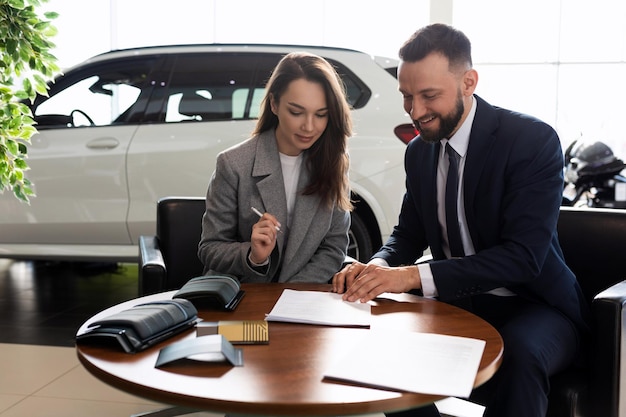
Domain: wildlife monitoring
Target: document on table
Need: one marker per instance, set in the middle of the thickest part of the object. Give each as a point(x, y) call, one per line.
point(317, 307)
point(426, 363)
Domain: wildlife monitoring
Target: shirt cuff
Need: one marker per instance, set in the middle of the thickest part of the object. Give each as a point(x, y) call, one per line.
point(428, 283)
point(378, 261)
point(265, 262)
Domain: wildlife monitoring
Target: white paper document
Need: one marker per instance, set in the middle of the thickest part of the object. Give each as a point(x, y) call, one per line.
point(317, 307)
point(409, 361)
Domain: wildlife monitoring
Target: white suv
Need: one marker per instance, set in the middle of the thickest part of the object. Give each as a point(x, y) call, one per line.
point(126, 128)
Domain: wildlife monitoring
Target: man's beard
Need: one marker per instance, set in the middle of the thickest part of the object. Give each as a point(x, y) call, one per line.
point(447, 124)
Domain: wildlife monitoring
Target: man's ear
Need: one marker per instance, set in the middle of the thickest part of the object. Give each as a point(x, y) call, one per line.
point(470, 80)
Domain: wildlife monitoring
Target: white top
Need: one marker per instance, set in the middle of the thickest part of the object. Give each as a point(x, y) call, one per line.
point(291, 173)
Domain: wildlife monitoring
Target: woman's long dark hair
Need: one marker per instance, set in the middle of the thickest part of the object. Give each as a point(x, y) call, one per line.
point(327, 159)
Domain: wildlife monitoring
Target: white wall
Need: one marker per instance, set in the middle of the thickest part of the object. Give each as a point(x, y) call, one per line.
point(560, 60)
point(94, 26)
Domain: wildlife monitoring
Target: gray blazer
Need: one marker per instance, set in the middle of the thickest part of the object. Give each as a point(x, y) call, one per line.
point(250, 175)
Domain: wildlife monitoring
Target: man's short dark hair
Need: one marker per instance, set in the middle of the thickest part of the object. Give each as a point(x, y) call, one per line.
point(440, 38)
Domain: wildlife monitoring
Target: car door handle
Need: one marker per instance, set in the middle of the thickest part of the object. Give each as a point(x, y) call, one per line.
point(103, 143)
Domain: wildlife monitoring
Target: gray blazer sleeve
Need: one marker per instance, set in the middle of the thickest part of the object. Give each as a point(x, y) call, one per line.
point(222, 247)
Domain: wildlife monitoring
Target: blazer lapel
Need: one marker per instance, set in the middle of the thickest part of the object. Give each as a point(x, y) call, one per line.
point(429, 192)
point(478, 151)
point(304, 210)
point(266, 170)
point(426, 201)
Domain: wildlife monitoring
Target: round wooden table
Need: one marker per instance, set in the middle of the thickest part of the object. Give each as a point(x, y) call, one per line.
point(284, 377)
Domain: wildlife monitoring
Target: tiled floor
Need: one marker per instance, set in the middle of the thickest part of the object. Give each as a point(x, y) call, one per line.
point(41, 307)
point(45, 303)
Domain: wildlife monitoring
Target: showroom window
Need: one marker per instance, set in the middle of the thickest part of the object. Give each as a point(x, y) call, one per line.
point(558, 60)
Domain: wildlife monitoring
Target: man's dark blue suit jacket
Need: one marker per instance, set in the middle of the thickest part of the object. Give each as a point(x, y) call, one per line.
point(513, 185)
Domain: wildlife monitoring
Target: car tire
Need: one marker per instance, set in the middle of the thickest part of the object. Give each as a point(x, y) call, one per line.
point(360, 243)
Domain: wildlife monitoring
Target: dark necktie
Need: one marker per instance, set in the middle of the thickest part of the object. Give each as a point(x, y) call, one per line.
point(452, 217)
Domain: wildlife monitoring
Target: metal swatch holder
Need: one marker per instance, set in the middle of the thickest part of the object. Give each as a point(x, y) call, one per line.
point(214, 346)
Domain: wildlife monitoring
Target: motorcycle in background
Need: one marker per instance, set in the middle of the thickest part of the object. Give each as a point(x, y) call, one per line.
point(593, 176)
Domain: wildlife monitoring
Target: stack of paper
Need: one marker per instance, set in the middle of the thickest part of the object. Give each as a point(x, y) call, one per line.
point(315, 307)
point(409, 361)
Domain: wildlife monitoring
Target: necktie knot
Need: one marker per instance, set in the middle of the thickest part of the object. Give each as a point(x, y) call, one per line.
point(453, 156)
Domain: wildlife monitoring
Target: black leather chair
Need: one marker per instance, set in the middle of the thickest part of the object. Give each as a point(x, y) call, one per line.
point(594, 245)
point(170, 258)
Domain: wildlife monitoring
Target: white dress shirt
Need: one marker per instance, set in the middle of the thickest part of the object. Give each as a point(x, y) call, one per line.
point(459, 142)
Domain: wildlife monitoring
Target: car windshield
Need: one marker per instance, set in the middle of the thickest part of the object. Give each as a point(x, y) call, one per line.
point(102, 101)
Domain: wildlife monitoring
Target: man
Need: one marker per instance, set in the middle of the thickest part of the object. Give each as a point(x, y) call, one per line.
point(508, 267)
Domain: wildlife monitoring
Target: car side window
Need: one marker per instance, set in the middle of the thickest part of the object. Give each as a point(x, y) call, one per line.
point(96, 97)
point(217, 86)
point(357, 92)
point(229, 86)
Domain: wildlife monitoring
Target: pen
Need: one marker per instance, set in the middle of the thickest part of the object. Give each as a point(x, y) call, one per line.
point(258, 213)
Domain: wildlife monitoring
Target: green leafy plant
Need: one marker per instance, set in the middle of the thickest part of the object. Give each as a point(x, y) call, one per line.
point(26, 65)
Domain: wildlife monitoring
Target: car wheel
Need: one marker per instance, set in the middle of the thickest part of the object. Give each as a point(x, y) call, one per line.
point(360, 244)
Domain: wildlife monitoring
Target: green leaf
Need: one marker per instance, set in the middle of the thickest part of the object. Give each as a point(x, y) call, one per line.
point(24, 51)
point(41, 87)
point(20, 163)
point(12, 146)
point(15, 123)
point(28, 190)
point(27, 132)
point(19, 193)
point(28, 86)
point(52, 65)
point(39, 79)
point(11, 46)
point(15, 127)
point(24, 108)
point(16, 4)
point(21, 94)
point(14, 107)
point(41, 25)
point(50, 31)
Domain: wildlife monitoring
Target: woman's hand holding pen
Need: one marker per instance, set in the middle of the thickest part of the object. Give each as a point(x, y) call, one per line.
point(263, 239)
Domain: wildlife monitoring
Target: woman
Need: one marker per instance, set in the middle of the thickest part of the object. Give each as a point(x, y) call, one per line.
point(278, 204)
